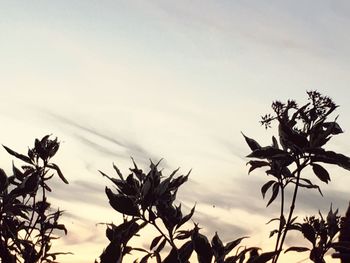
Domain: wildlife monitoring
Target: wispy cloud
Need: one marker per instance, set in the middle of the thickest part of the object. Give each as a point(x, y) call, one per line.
point(104, 143)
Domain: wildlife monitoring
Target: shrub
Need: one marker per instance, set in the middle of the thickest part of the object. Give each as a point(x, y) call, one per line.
point(27, 220)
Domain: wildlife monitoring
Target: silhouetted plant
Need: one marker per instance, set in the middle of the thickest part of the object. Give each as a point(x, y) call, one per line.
point(303, 132)
point(149, 200)
point(27, 220)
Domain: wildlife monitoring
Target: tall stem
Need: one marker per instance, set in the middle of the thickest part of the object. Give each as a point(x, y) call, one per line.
point(291, 210)
point(281, 216)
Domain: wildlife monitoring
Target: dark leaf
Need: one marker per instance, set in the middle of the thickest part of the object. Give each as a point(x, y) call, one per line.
point(253, 145)
point(297, 249)
point(269, 152)
point(122, 204)
point(321, 173)
point(3, 180)
point(231, 245)
point(202, 247)
point(275, 190)
point(155, 241)
point(112, 253)
point(266, 187)
point(18, 155)
point(264, 257)
point(273, 232)
point(186, 218)
point(145, 258)
point(256, 164)
point(308, 232)
point(58, 170)
point(274, 142)
point(161, 246)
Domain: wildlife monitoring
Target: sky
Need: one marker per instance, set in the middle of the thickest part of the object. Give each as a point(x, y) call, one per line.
point(177, 80)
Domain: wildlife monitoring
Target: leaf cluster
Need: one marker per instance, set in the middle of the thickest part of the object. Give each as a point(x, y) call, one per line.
point(27, 221)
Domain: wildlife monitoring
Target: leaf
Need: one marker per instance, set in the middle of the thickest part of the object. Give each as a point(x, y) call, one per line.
point(264, 257)
point(320, 155)
point(275, 190)
point(112, 253)
point(59, 172)
point(266, 186)
point(253, 145)
point(18, 155)
point(145, 258)
point(274, 142)
point(256, 164)
point(3, 180)
point(308, 232)
point(183, 253)
point(269, 152)
point(218, 248)
point(122, 204)
point(297, 249)
point(155, 241)
point(231, 245)
point(273, 232)
point(161, 246)
point(118, 172)
point(186, 217)
point(202, 247)
point(321, 172)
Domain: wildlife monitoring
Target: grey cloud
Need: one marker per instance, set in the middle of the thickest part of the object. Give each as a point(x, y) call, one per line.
point(125, 148)
point(80, 191)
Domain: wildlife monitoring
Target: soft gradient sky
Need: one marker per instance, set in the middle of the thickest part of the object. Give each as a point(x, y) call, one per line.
point(172, 79)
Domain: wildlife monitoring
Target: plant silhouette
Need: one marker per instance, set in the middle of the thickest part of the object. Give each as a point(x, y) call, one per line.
point(28, 223)
point(147, 199)
point(27, 220)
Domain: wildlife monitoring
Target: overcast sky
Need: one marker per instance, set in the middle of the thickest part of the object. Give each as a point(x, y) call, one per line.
point(176, 80)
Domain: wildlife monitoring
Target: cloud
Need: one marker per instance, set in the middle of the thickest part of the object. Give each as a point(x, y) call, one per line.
point(106, 144)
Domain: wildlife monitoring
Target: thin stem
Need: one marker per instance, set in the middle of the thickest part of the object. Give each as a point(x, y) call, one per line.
point(281, 216)
point(291, 210)
point(170, 241)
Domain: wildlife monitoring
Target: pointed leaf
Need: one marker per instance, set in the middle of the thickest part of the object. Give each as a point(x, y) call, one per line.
point(256, 164)
point(59, 172)
point(275, 190)
point(231, 245)
point(266, 187)
point(122, 204)
point(253, 145)
point(155, 241)
point(321, 173)
point(18, 155)
point(297, 249)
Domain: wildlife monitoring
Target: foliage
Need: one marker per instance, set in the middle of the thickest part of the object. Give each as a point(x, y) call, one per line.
point(27, 220)
point(148, 199)
point(303, 132)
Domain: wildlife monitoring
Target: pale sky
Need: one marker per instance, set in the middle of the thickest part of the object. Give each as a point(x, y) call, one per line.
point(176, 80)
